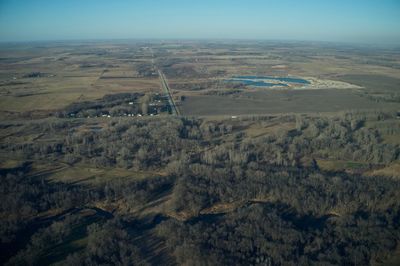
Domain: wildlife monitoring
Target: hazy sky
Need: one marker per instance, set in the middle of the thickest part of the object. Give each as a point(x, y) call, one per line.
point(366, 21)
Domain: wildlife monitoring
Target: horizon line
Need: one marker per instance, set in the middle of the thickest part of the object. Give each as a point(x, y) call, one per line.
point(157, 39)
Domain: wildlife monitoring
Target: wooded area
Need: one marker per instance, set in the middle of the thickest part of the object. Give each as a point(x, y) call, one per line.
point(251, 190)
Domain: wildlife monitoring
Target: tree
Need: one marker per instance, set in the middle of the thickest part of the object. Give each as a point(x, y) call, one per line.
point(314, 164)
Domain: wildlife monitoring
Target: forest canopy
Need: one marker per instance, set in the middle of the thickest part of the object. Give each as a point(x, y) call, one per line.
point(269, 190)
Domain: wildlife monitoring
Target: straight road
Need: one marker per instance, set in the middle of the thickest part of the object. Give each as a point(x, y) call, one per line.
point(164, 84)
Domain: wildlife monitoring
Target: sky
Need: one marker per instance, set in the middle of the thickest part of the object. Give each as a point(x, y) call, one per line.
point(354, 21)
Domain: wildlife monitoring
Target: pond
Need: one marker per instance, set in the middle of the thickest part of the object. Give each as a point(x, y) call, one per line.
point(266, 81)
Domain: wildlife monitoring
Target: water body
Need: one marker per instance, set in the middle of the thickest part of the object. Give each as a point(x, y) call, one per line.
point(258, 83)
point(283, 79)
point(266, 81)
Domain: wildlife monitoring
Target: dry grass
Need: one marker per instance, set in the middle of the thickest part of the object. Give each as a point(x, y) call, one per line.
point(338, 165)
point(9, 163)
point(84, 174)
point(392, 170)
point(258, 130)
point(220, 208)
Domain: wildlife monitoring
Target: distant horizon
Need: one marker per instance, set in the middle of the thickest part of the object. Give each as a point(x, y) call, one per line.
point(177, 40)
point(350, 22)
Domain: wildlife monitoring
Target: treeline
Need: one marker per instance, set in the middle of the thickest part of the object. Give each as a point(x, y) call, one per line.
point(154, 143)
point(115, 104)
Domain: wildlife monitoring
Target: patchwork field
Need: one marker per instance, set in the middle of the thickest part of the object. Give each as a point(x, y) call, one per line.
point(46, 77)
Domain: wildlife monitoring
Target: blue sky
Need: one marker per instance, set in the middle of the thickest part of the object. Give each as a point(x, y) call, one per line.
point(364, 21)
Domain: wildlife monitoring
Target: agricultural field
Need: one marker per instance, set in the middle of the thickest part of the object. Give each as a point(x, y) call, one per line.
point(45, 78)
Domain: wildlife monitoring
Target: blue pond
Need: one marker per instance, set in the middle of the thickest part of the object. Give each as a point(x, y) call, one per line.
point(258, 81)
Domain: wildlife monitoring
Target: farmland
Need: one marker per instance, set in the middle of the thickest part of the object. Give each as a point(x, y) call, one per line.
point(45, 78)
